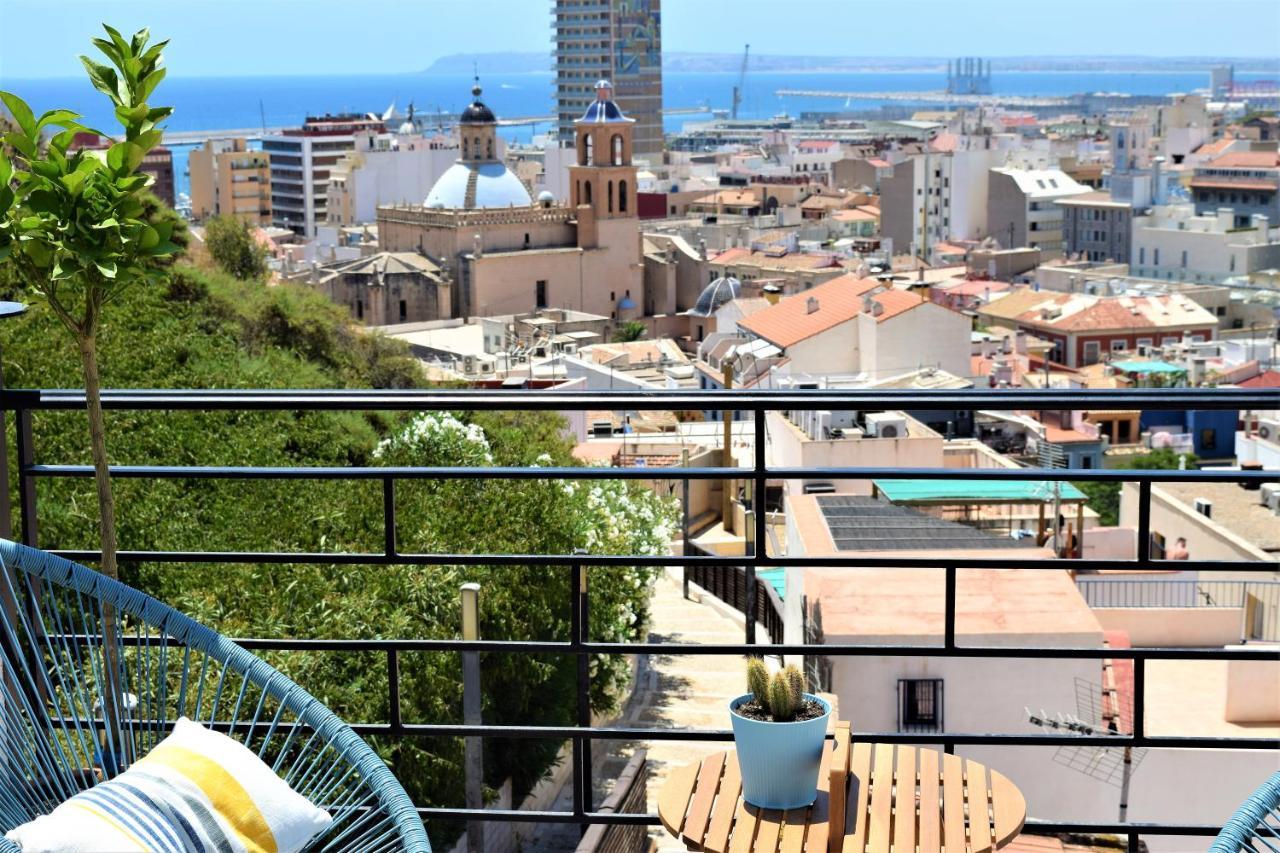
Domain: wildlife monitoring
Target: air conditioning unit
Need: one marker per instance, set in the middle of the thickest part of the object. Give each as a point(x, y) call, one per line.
point(1204, 507)
point(886, 425)
point(569, 349)
point(1269, 430)
point(1270, 494)
point(468, 364)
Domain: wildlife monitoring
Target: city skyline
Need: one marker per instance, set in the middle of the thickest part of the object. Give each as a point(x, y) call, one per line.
point(407, 38)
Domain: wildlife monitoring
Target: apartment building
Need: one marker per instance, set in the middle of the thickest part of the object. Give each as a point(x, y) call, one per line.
point(1096, 227)
point(227, 179)
point(1175, 243)
point(301, 159)
point(1246, 181)
point(387, 169)
point(1082, 327)
point(1022, 207)
point(616, 39)
point(930, 199)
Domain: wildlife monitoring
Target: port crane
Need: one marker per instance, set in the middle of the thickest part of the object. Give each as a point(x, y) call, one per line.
point(742, 82)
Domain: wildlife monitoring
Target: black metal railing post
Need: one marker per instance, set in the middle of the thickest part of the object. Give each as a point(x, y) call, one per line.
point(1144, 522)
point(580, 633)
point(389, 516)
point(26, 479)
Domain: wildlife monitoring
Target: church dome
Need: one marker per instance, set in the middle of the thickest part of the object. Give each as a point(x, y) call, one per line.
point(494, 186)
point(603, 110)
point(476, 112)
point(716, 294)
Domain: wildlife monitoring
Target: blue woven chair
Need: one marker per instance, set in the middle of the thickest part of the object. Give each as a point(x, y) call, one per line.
point(1256, 824)
point(61, 622)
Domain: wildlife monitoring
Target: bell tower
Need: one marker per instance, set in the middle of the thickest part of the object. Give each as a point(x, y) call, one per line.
point(477, 130)
point(603, 176)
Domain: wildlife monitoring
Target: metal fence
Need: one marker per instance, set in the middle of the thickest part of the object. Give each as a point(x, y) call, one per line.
point(1258, 601)
point(21, 404)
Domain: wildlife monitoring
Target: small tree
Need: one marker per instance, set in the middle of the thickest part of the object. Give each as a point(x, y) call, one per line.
point(76, 222)
point(632, 330)
point(233, 249)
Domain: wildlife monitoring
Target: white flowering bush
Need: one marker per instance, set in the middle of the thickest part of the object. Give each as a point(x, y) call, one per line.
point(555, 515)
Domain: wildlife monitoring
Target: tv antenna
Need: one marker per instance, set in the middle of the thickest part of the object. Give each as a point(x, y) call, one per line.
point(1100, 710)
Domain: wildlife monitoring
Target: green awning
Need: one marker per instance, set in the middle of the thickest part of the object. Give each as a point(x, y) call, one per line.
point(1153, 366)
point(974, 491)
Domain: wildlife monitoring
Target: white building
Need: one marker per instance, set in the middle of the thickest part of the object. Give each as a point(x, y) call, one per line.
point(955, 186)
point(1175, 244)
point(301, 159)
point(854, 326)
point(1022, 207)
point(386, 169)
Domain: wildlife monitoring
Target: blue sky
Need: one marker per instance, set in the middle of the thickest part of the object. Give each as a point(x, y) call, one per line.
point(245, 37)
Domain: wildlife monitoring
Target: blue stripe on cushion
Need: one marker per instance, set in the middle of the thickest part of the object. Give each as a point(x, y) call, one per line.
point(119, 806)
point(194, 842)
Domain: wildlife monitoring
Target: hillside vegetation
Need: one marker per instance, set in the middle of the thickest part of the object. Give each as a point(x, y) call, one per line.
point(204, 329)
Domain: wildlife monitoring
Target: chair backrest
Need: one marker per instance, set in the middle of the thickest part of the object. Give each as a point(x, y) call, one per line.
point(1257, 818)
point(67, 632)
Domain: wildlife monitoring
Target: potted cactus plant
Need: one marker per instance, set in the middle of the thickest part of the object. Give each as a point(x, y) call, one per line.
point(778, 730)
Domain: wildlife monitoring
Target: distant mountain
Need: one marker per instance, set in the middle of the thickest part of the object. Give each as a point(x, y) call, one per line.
point(530, 62)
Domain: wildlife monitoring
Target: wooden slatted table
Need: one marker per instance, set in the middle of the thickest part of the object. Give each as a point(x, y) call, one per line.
point(892, 794)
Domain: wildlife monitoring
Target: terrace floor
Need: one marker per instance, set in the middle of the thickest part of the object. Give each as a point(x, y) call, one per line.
point(671, 692)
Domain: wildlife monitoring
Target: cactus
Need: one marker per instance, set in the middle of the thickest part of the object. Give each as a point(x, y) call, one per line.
point(758, 680)
point(795, 680)
point(782, 704)
point(781, 695)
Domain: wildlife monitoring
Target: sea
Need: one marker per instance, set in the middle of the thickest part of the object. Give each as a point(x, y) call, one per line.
point(220, 103)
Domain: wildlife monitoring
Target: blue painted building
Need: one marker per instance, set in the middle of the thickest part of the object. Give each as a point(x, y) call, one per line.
point(1213, 433)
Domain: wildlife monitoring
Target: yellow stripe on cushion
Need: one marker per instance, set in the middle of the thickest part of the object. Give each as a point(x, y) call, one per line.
point(226, 794)
point(107, 819)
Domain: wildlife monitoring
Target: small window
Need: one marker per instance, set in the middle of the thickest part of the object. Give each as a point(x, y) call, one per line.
point(1208, 439)
point(540, 293)
point(404, 310)
point(920, 705)
point(1119, 346)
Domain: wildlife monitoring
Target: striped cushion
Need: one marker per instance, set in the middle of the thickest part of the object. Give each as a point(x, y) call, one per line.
point(196, 791)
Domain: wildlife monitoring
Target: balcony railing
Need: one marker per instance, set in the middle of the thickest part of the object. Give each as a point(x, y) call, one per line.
point(1259, 601)
point(22, 404)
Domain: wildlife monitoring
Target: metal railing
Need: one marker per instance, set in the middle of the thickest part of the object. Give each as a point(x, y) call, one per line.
point(1258, 601)
point(23, 403)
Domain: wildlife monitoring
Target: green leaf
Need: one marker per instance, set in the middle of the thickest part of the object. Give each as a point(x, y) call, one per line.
point(73, 181)
point(148, 84)
point(140, 39)
point(129, 116)
point(148, 239)
point(30, 223)
point(6, 169)
point(21, 142)
point(21, 113)
point(109, 222)
point(6, 199)
point(107, 268)
point(45, 168)
point(103, 78)
point(56, 117)
point(116, 156)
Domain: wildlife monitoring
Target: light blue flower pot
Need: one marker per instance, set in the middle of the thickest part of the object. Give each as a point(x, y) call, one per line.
point(779, 761)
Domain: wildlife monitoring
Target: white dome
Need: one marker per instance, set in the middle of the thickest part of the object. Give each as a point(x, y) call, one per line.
point(495, 186)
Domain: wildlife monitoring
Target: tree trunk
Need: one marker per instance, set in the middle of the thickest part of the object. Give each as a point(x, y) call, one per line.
point(116, 737)
point(98, 447)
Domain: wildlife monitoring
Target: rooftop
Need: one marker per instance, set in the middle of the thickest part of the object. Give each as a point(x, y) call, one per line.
point(1235, 508)
point(973, 491)
point(811, 312)
point(1080, 312)
point(998, 607)
point(1245, 160)
point(858, 523)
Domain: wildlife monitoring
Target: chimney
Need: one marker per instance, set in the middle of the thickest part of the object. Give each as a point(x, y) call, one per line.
point(771, 293)
point(1006, 346)
point(1157, 183)
point(988, 348)
point(1226, 218)
point(1020, 342)
point(811, 305)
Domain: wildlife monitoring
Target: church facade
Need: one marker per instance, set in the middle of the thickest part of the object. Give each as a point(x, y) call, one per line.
point(507, 253)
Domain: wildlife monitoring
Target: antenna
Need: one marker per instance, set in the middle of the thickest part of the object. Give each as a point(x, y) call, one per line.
point(262, 112)
point(1100, 710)
point(742, 83)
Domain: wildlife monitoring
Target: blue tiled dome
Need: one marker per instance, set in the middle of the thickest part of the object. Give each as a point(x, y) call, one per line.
point(603, 110)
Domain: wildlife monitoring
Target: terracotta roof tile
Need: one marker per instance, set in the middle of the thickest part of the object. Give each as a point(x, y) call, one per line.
point(1246, 160)
point(1270, 379)
point(790, 321)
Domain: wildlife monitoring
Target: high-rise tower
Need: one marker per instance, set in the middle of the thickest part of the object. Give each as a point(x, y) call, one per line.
point(618, 39)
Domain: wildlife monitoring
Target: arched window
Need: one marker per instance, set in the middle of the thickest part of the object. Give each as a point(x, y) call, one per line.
point(489, 148)
point(587, 150)
point(622, 196)
point(588, 188)
point(577, 193)
point(616, 145)
point(611, 196)
point(466, 148)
